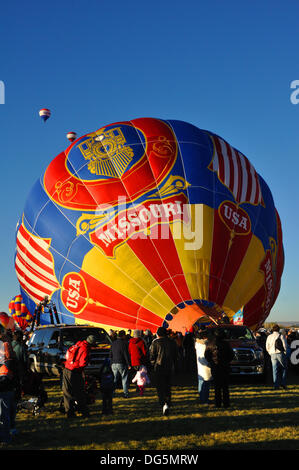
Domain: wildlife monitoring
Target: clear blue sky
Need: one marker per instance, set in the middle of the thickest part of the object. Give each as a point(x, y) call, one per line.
point(225, 66)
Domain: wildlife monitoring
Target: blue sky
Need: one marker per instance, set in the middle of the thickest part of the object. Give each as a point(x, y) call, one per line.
point(223, 66)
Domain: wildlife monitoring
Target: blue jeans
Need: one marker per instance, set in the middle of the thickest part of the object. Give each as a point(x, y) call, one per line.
point(122, 371)
point(203, 389)
point(279, 369)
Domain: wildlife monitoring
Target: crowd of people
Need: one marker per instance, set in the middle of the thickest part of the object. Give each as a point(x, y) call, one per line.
point(138, 358)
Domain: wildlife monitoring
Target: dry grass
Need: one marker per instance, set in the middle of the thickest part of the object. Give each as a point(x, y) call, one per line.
point(259, 418)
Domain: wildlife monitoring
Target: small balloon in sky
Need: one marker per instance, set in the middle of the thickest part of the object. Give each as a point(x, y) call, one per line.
point(71, 136)
point(44, 114)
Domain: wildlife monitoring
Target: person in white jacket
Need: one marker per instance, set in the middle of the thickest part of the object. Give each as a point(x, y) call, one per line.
point(203, 368)
point(278, 357)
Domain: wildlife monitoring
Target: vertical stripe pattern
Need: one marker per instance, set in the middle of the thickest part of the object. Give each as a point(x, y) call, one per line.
point(236, 172)
point(34, 265)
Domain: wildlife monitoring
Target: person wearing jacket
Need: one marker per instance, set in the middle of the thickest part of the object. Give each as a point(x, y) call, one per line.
point(141, 379)
point(137, 350)
point(278, 357)
point(219, 354)
point(73, 383)
point(120, 361)
point(107, 387)
point(7, 389)
point(21, 354)
point(163, 358)
point(204, 373)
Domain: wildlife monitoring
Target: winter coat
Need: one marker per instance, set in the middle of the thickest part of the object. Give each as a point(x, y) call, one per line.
point(7, 366)
point(81, 357)
point(137, 351)
point(163, 354)
point(203, 366)
point(270, 343)
point(141, 377)
point(119, 353)
point(219, 354)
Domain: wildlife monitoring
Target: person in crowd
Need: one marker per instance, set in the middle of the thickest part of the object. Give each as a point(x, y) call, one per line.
point(141, 379)
point(292, 338)
point(219, 354)
point(107, 387)
point(129, 335)
point(276, 346)
point(137, 350)
point(73, 383)
point(8, 404)
point(177, 336)
point(261, 339)
point(112, 334)
point(120, 361)
point(189, 350)
point(204, 373)
point(163, 357)
point(147, 338)
point(20, 350)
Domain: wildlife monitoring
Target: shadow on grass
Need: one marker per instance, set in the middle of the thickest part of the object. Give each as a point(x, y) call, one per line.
point(132, 424)
point(82, 433)
point(138, 423)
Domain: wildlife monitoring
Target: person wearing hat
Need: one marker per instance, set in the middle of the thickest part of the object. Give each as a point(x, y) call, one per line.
point(137, 350)
point(163, 358)
point(277, 353)
point(73, 381)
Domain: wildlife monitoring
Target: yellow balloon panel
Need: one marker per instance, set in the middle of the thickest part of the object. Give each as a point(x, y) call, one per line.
point(195, 252)
point(128, 276)
point(249, 279)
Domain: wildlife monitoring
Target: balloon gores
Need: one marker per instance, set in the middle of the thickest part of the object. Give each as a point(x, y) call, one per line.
point(151, 222)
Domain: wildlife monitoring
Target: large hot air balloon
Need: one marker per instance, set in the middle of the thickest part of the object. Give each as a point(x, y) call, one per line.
point(20, 312)
point(44, 113)
point(147, 223)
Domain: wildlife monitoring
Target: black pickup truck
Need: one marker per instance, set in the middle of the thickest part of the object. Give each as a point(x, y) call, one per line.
point(248, 355)
point(48, 345)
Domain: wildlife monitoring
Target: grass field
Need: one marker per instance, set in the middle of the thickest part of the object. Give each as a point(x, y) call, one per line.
point(259, 419)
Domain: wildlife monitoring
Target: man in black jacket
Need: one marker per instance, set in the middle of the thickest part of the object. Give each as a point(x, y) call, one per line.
point(163, 357)
point(120, 361)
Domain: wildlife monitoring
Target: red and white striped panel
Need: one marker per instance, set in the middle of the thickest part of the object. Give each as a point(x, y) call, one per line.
point(44, 112)
point(34, 265)
point(236, 172)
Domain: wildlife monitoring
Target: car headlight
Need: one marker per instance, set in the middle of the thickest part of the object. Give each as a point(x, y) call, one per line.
point(235, 351)
point(259, 353)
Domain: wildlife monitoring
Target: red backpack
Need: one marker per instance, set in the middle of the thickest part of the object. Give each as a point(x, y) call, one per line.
point(74, 359)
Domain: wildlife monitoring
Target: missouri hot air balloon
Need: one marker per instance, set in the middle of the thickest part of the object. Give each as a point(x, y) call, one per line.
point(149, 223)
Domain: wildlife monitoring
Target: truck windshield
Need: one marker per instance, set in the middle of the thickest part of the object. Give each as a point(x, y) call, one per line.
point(237, 332)
point(72, 335)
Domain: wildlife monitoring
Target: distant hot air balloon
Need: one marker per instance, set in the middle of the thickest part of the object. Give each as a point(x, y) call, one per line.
point(20, 312)
point(149, 222)
point(71, 136)
point(44, 114)
point(7, 321)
